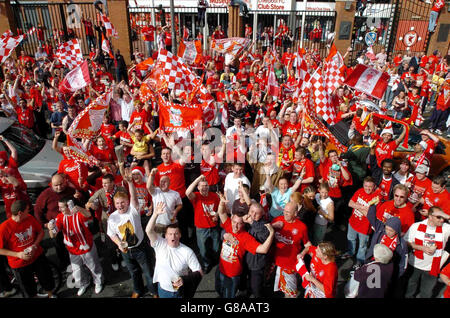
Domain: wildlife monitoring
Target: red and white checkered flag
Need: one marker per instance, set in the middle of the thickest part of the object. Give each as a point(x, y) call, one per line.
point(7, 34)
point(8, 44)
point(321, 98)
point(110, 30)
point(333, 70)
point(177, 75)
point(69, 53)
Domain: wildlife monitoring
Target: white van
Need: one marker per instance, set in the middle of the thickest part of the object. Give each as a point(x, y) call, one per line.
point(36, 159)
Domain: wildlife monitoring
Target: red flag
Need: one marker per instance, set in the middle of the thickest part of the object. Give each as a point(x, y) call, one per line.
point(88, 122)
point(145, 65)
point(368, 80)
point(106, 47)
point(178, 116)
point(76, 79)
point(333, 71)
point(75, 151)
point(110, 30)
point(321, 98)
point(273, 88)
point(190, 52)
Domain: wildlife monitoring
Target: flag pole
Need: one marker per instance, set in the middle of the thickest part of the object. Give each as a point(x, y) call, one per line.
point(174, 32)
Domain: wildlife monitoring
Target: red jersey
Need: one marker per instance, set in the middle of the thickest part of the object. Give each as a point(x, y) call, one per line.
point(105, 155)
point(175, 172)
point(358, 221)
point(441, 200)
point(139, 119)
point(289, 241)
point(25, 116)
point(203, 206)
point(73, 170)
point(77, 236)
point(334, 178)
point(384, 151)
point(446, 271)
point(298, 166)
point(383, 189)
point(148, 33)
point(419, 187)
point(125, 137)
point(232, 254)
point(17, 237)
point(107, 130)
point(11, 193)
point(211, 173)
point(291, 129)
point(387, 210)
point(327, 274)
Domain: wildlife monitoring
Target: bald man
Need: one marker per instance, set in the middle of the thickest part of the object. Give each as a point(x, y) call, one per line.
point(46, 209)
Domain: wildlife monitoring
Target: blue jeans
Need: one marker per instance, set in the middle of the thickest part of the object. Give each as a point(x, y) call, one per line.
point(203, 235)
point(352, 235)
point(226, 286)
point(149, 46)
point(162, 293)
point(137, 261)
point(389, 96)
point(319, 232)
point(433, 18)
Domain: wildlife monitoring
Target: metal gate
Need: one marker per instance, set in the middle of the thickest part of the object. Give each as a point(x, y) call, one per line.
point(52, 18)
point(393, 24)
point(300, 24)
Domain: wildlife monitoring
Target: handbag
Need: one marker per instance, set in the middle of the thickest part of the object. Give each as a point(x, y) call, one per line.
point(352, 287)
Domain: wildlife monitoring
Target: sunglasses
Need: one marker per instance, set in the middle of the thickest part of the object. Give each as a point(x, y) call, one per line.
point(439, 217)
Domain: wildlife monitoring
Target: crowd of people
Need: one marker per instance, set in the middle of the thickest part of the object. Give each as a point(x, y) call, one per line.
point(262, 218)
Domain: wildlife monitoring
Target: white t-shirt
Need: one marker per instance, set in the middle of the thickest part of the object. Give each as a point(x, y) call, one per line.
point(172, 262)
point(320, 220)
point(126, 108)
point(425, 263)
point(171, 198)
point(119, 222)
point(402, 178)
point(231, 188)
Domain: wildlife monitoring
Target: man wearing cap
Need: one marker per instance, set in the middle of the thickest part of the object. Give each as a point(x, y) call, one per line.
point(419, 184)
point(428, 239)
point(431, 141)
point(386, 146)
point(419, 157)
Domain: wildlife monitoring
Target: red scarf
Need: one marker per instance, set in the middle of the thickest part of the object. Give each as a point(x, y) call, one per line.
point(109, 199)
point(421, 230)
point(389, 242)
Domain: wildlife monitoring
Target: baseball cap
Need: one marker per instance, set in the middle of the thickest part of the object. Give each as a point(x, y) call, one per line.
point(422, 169)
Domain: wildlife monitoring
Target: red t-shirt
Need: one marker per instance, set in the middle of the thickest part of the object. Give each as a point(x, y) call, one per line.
point(139, 119)
point(441, 200)
point(387, 210)
point(73, 170)
point(327, 274)
point(289, 241)
point(148, 33)
point(232, 255)
point(25, 116)
point(202, 208)
point(107, 131)
point(106, 155)
point(383, 189)
point(334, 178)
point(358, 221)
point(74, 228)
point(446, 272)
point(291, 129)
point(384, 151)
point(211, 173)
point(17, 237)
point(175, 171)
point(298, 166)
point(419, 187)
point(125, 137)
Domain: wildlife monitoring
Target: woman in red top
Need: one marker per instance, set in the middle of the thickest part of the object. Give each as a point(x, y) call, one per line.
point(102, 152)
point(322, 279)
